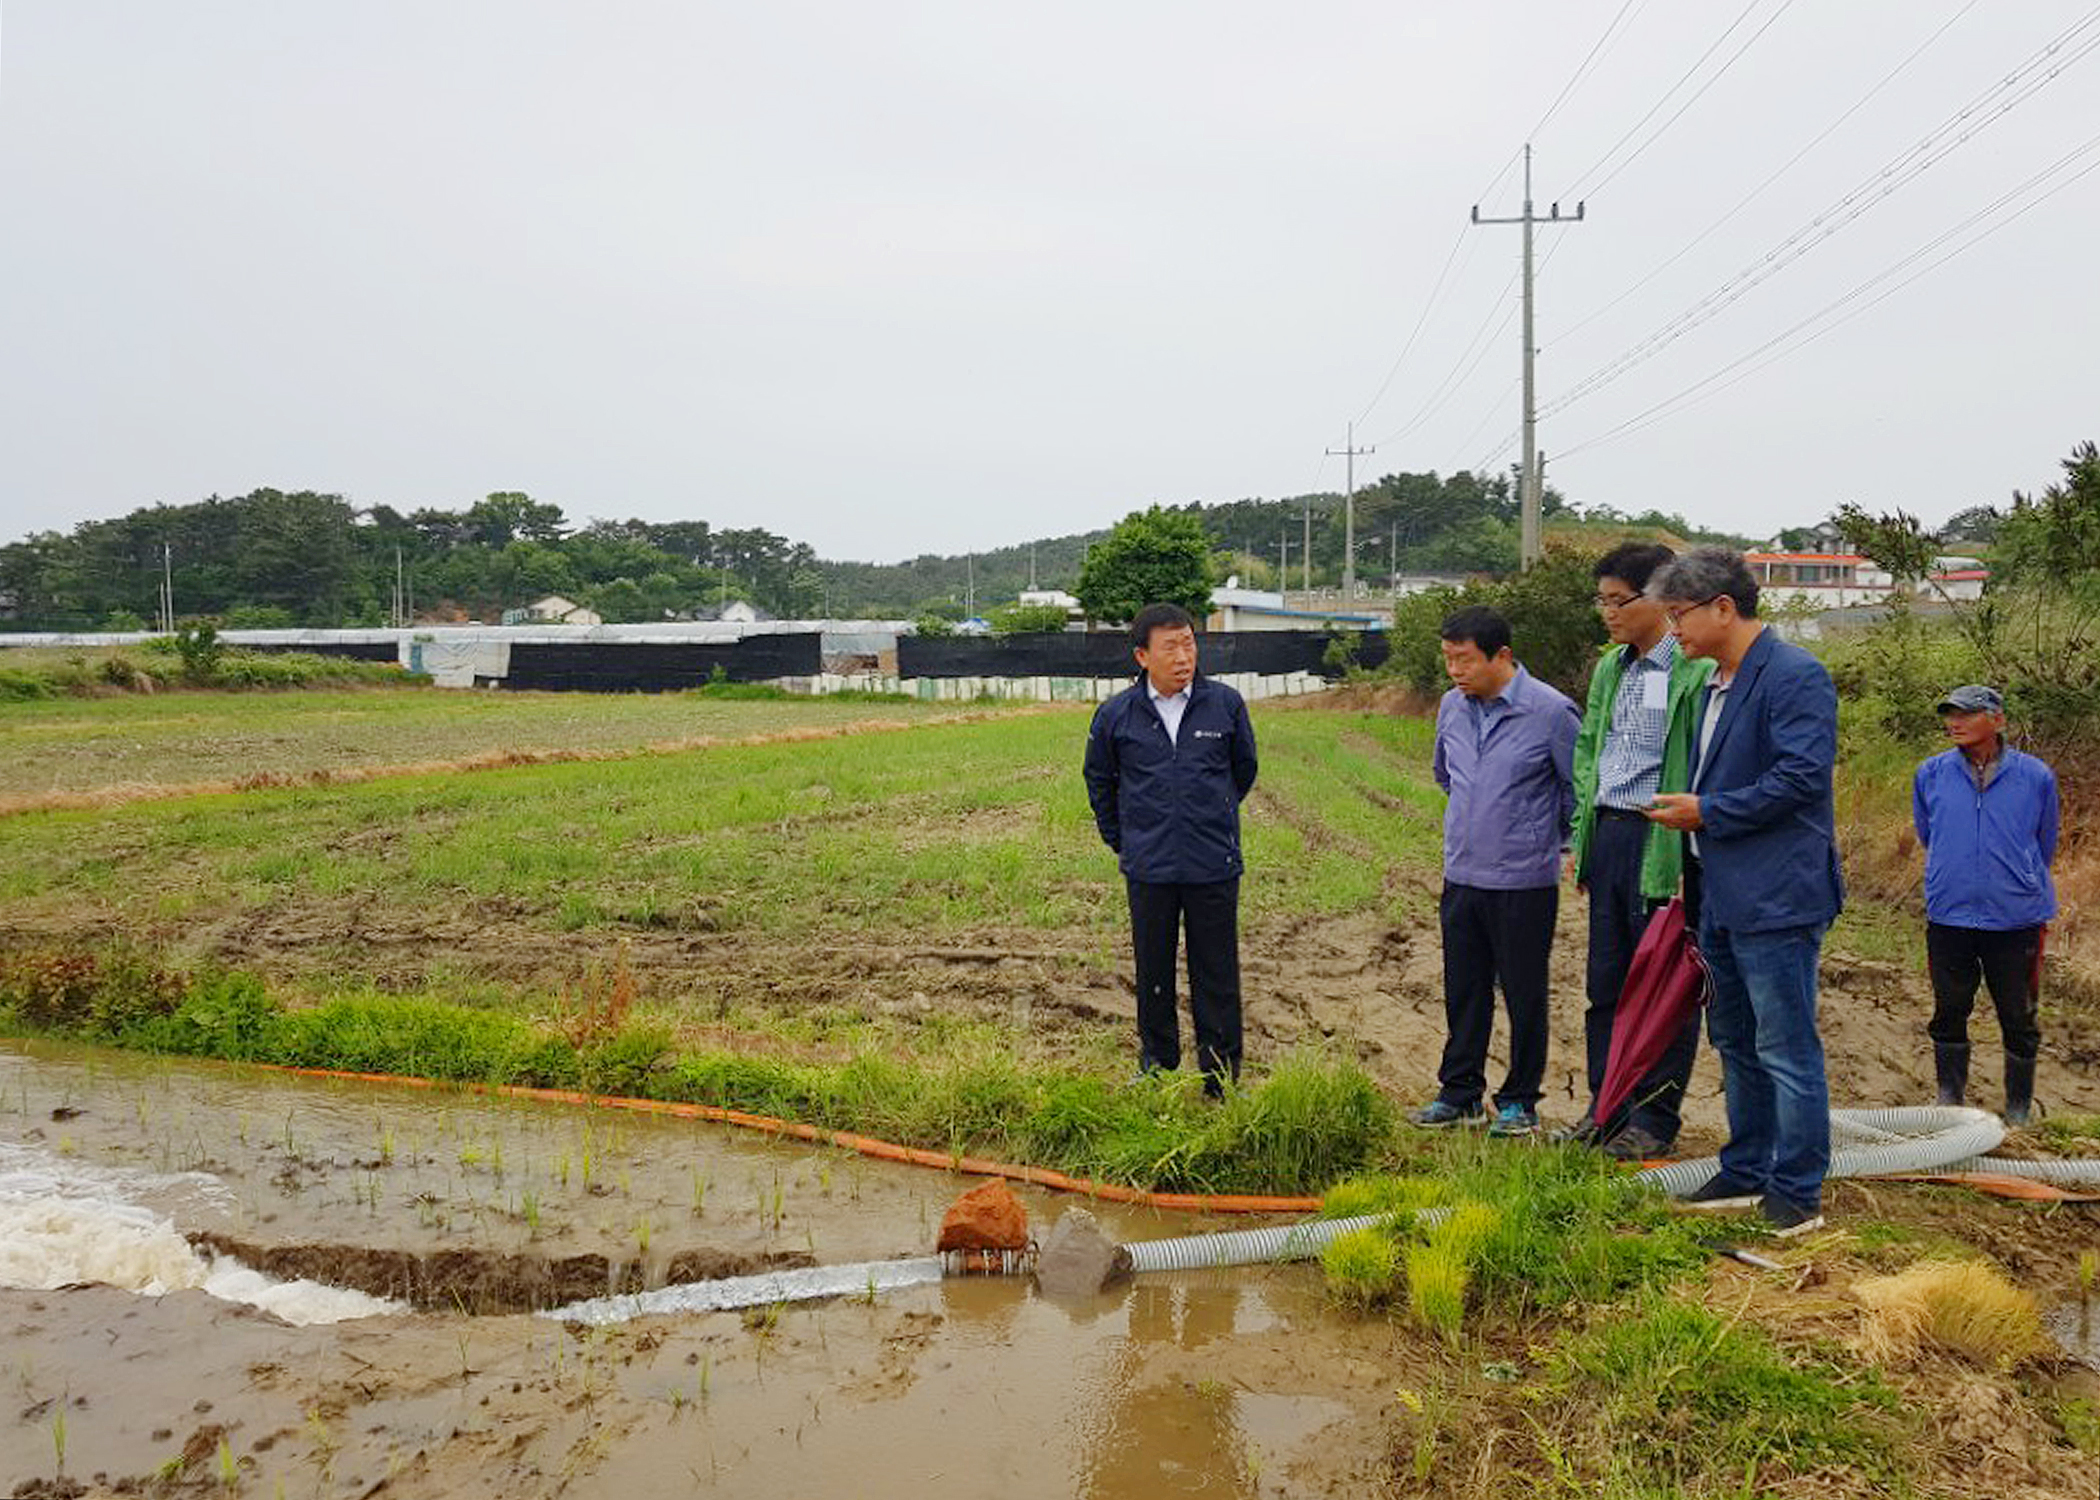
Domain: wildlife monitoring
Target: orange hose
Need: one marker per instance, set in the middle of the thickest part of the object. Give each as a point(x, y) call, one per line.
point(1216, 1203)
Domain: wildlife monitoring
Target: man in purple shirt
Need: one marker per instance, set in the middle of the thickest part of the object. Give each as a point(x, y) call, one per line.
point(1505, 751)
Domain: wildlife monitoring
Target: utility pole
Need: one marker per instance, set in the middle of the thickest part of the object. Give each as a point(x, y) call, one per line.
point(1283, 562)
point(1305, 552)
point(167, 588)
point(970, 573)
point(1351, 451)
point(1528, 484)
point(1031, 567)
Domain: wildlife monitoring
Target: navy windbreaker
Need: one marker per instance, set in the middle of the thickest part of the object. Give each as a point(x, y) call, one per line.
point(1170, 810)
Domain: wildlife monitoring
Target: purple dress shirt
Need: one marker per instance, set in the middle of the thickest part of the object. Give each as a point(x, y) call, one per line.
point(1509, 767)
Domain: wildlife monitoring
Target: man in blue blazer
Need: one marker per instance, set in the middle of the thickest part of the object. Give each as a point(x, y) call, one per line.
point(1762, 825)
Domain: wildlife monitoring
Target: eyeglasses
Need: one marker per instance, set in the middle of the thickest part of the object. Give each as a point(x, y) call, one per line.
point(1674, 615)
point(1616, 601)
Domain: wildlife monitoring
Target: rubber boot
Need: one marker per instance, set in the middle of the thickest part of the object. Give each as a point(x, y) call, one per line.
point(2019, 1090)
point(1951, 1061)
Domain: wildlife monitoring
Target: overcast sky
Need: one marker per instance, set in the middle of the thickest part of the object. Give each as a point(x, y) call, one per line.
point(932, 276)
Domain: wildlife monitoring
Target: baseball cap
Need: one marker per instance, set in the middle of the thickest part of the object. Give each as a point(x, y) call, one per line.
point(1972, 698)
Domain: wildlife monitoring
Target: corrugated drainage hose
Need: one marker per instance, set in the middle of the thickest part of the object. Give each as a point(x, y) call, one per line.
point(1870, 1143)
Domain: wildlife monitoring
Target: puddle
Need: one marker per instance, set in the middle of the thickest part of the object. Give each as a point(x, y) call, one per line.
point(1216, 1383)
point(2076, 1330)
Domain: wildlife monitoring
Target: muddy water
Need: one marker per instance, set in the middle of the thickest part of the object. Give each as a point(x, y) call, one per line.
point(1237, 1384)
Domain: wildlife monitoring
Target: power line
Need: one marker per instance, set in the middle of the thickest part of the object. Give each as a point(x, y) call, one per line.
point(1596, 50)
point(1699, 391)
point(1468, 361)
point(1697, 95)
point(1875, 190)
point(1585, 175)
point(1788, 165)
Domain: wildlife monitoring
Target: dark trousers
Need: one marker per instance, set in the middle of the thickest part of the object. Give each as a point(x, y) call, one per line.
point(1618, 916)
point(2009, 963)
point(1211, 915)
point(1491, 936)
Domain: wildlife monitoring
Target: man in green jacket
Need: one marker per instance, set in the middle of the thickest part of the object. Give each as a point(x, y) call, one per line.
point(1636, 741)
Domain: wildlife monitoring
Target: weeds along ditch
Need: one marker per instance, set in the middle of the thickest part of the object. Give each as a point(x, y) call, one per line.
point(1312, 1119)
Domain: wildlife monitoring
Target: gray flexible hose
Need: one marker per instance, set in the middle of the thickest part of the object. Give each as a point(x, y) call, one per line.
point(1918, 1138)
point(1245, 1247)
point(1915, 1138)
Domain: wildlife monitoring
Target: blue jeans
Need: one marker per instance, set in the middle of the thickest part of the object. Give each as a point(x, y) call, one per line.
point(1763, 1026)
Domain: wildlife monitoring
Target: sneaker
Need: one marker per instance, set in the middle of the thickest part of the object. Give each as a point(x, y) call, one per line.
point(1437, 1115)
point(1514, 1120)
point(1636, 1144)
point(1720, 1194)
point(1784, 1220)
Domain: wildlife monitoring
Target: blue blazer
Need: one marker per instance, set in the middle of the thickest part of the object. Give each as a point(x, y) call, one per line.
point(1768, 850)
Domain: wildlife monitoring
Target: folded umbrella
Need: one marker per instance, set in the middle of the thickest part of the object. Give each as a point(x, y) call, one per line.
point(1665, 984)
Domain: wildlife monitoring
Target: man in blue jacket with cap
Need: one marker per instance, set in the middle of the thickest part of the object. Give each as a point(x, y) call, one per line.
point(1167, 763)
point(1986, 815)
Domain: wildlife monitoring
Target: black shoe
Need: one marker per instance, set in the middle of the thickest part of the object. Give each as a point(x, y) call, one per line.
point(1438, 1115)
point(1582, 1133)
point(1784, 1220)
point(1720, 1194)
point(1636, 1144)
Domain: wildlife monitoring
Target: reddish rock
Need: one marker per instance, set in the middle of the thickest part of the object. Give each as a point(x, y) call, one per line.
point(985, 1218)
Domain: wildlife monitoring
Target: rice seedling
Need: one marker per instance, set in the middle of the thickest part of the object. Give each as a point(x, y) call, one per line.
point(229, 1467)
point(1959, 1307)
point(529, 1207)
point(1361, 1266)
point(699, 1194)
point(58, 1437)
point(641, 1236)
point(1437, 1278)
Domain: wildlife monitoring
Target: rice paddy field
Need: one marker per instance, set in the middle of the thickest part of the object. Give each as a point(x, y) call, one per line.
point(898, 919)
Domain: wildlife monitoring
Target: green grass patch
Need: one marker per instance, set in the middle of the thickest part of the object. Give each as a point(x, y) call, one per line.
point(1673, 1398)
point(1505, 1233)
point(1312, 1120)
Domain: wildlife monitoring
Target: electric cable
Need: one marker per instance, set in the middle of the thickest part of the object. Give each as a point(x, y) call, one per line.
point(1699, 391)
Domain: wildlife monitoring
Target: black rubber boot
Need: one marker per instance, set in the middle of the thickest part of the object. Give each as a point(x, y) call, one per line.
point(1952, 1063)
point(2019, 1090)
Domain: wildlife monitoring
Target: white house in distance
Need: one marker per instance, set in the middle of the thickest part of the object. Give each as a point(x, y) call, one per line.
point(1836, 580)
point(552, 610)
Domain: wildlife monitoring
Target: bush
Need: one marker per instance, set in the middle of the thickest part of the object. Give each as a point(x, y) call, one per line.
point(1553, 622)
point(25, 687)
point(1027, 619)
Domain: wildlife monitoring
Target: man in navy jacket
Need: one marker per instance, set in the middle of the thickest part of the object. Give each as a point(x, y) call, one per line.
point(1763, 828)
point(1167, 762)
point(1986, 814)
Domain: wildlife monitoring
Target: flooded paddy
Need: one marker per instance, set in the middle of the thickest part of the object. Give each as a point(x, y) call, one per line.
point(241, 1280)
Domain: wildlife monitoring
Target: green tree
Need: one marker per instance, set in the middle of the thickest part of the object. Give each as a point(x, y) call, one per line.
point(1155, 556)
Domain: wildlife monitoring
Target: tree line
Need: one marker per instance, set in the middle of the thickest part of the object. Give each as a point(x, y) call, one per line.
point(276, 557)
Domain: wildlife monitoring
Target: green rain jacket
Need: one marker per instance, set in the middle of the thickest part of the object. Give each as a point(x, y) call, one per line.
point(1662, 863)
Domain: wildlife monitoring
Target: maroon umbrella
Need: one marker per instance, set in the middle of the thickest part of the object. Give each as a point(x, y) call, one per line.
point(1665, 984)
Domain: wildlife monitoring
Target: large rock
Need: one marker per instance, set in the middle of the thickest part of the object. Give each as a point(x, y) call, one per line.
point(1077, 1258)
point(985, 1218)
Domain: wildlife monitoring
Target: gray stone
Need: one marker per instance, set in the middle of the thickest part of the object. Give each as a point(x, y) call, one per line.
point(1078, 1259)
